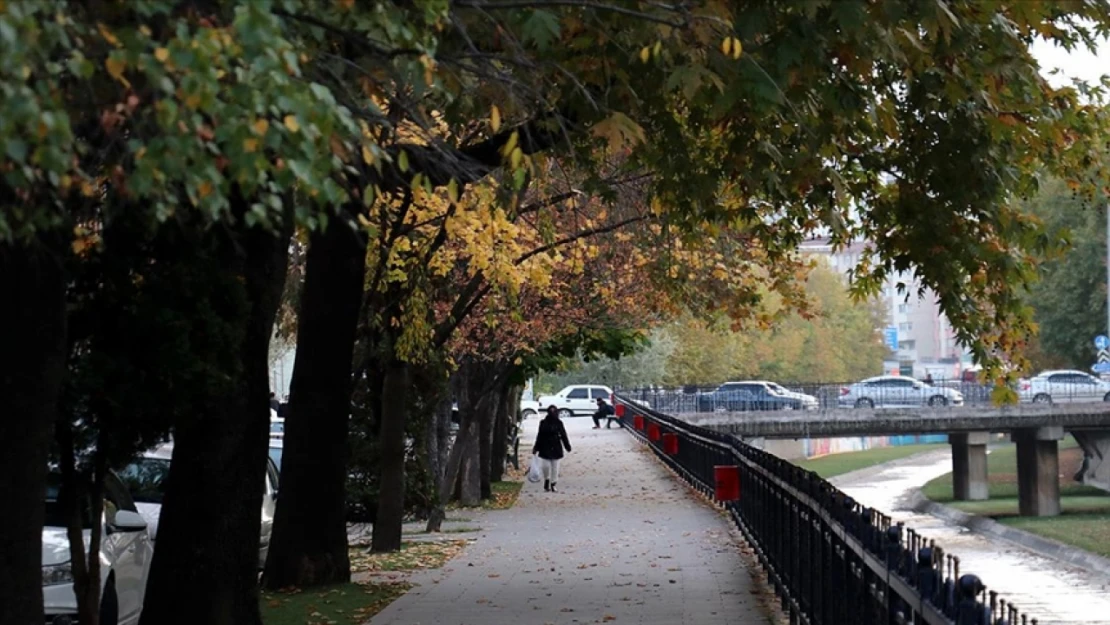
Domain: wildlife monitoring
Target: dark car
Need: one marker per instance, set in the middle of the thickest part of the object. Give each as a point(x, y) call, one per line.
point(748, 396)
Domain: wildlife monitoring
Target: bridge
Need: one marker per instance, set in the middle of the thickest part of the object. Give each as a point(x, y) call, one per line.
point(829, 559)
point(1035, 428)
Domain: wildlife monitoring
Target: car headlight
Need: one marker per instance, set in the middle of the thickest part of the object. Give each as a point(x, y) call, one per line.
point(55, 574)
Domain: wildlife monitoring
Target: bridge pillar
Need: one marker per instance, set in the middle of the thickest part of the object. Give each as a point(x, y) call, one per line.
point(1038, 470)
point(969, 465)
point(1096, 458)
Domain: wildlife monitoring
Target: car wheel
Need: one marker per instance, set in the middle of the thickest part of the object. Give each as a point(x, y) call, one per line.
point(938, 400)
point(1042, 398)
point(565, 413)
point(109, 604)
point(1106, 397)
point(528, 414)
point(864, 403)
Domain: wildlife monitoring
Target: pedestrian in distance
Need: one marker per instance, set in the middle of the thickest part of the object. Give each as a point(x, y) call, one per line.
point(604, 411)
point(550, 441)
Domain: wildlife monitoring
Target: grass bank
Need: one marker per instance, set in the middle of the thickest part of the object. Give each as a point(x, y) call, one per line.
point(838, 464)
point(1085, 519)
point(342, 604)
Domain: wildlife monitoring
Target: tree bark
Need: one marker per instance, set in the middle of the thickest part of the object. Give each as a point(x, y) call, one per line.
point(439, 431)
point(205, 567)
point(504, 425)
point(309, 546)
point(33, 344)
point(391, 497)
point(492, 406)
point(470, 478)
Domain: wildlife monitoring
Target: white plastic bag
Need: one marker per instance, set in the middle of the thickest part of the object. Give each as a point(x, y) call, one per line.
point(535, 473)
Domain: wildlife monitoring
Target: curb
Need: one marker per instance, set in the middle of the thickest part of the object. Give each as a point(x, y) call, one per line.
point(1046, 547)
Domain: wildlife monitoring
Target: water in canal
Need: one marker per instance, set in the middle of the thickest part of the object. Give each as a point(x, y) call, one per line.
point(1047, 590)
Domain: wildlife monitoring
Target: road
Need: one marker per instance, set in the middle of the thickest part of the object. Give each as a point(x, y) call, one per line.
point(1047, 590)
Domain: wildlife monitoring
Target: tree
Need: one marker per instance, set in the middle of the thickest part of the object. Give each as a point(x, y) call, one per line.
point(1069, 300)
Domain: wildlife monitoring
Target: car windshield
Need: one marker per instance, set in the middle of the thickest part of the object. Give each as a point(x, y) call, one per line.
point(55, 515)
point(775, 388)
point(275, 455)
point(146, 479)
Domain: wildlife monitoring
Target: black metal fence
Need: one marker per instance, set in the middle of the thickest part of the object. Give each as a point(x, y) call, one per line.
point(831, 560)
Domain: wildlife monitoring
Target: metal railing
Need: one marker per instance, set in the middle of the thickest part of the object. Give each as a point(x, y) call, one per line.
point(830, 559)
point(847, 395)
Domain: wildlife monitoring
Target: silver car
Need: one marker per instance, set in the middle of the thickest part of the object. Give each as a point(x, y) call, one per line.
point(1064, 387)
point(146, 478)
point(888, 391)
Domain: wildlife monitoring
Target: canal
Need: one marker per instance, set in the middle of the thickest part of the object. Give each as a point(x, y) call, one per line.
point(1051, 592)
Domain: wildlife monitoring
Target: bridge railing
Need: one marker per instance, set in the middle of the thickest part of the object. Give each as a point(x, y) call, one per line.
point(830, 559)
point(833, 395)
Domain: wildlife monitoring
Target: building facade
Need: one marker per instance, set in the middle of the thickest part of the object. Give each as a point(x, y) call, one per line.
point(926, 342)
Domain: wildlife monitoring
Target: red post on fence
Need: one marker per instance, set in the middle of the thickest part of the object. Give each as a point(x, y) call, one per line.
point(670, 444)
point(727, 480)
point(619, 409)
point(653, 432)
point(638, 422)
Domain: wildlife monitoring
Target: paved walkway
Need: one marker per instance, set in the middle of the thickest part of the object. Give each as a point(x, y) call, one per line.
point(623, 542)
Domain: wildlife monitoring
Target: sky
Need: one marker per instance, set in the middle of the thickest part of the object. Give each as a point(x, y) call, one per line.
point(1078, 64)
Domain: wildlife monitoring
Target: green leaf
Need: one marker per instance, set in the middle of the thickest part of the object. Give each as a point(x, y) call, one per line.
point(541, 28)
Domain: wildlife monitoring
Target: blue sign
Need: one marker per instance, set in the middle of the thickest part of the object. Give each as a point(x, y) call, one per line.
point(890, 337)
point(1101, 367)
point(1102, 342)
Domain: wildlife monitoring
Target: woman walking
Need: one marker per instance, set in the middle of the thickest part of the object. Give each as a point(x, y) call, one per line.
point(550, 441)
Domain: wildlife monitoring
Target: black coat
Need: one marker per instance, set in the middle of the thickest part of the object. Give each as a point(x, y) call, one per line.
point(551, 439)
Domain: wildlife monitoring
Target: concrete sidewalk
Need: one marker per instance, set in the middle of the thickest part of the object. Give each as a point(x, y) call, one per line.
point(623, 542)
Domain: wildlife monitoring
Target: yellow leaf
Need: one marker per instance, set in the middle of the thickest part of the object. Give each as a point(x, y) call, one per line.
point(453, 190)
point(726, 46)
point(204, 189)
point(115, 67)
point(494, 118)
point(367, 156)
point(162, 54)
point(737, 49)
point(403, 161)
point(657, 49)
point(645, 54)
point(250, 145)
point(291, 123)
point(108, 36)
point(515, 157)
point(619, 130)
point(260, 127)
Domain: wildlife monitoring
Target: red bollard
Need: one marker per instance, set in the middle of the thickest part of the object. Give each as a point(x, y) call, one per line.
point(727, 478)
point(670, 444)
point(619, 409)
point(653, 432)
point(638, 422)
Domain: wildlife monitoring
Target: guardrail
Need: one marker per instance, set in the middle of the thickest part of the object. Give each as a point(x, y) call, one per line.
point(833, 395)
point(831, 560)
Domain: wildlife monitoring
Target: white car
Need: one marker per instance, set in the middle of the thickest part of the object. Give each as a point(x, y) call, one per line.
point(888, 391)
point(577, 399)
point(126, 550)
point(146, 477)
point(1063, 387)
point(528, 409)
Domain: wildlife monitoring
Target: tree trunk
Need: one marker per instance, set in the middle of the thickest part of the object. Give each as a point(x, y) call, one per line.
point(439, 431)
point(33, 345)
point(504, 425)
point(492, 406)
point(470, 479)
point(205, 567)
point(309, 546)
point(391, 497)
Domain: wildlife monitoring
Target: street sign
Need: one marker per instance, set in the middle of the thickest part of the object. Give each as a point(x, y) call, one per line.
point(1102, 342)
point(1101, 367)
point(890, 337)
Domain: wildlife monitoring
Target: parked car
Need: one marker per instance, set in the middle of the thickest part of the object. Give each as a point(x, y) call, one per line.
point(277, 446)
point(1063, 387)
point(277, 427)
point(577, 399)
point(146, 478)
point(126, 550)
point(887, 391)
point(529, 409)
point(754, 395)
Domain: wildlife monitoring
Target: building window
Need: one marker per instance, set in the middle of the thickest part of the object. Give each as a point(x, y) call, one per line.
point(907, 345)
point(905, 326)
point(903, 308)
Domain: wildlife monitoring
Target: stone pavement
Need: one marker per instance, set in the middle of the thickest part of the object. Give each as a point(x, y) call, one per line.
point(623, 542)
